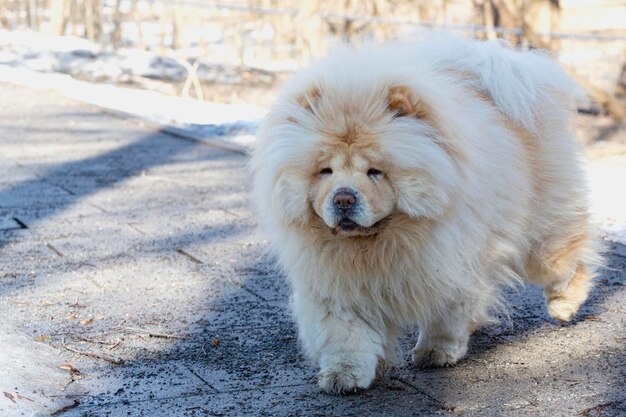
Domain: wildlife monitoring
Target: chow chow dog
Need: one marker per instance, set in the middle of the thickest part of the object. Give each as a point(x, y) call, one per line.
point(406, 184)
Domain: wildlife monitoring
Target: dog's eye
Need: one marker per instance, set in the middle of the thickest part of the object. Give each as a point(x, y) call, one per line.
point(399, 113)
point(373, 172)
point(326, 171)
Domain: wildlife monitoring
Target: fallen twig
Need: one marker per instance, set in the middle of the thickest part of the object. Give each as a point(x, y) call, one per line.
point(152, 334)
point(111, 359)
point(99, 342)
point(76, 304)
point(599, 407)
point(60, 411)
point(115, 344)
point(70, 368)
point(24, 398)
point(13, 396)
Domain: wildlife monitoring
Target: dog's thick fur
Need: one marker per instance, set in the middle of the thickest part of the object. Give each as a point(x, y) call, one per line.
point(464, 176)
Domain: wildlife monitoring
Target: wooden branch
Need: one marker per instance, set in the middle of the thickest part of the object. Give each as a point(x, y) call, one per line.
point(152, 334)
point(111, 359)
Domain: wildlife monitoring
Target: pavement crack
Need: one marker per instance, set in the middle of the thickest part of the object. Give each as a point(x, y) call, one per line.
point(441, 404)
point(62, 187)
point(20, 223)
point(232, 213)
point(267, 388)
point(54, 249)
point(190, 256)
point(253, 292)
point(135, 228)
point(98, 207)
point(201, 379)
point(96, 283)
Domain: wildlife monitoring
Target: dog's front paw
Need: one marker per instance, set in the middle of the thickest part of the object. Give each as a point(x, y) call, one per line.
point(436, 356)
point(345, 379)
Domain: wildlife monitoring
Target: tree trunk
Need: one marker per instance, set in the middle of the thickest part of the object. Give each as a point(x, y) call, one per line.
point(92, 20)
point(116, 35)
point(134, 11)
point(4, 21)
point(60, 11)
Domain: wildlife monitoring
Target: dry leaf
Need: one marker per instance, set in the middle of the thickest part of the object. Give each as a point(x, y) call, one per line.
point(86, 321)
point(72, 316)
point(215, 342)
point(70, 368)
point(592, 318)
point(42, 338)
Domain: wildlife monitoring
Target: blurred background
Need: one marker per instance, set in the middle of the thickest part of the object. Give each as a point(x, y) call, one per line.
point(232, 55)
point(238, 51)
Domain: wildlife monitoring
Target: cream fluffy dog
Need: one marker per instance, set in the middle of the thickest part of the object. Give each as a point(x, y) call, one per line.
point(405, 184)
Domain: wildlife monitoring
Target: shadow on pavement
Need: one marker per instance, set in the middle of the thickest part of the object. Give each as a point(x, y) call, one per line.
point(242, 356)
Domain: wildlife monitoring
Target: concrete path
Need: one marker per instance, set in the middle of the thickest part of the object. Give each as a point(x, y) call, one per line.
point(140, 249)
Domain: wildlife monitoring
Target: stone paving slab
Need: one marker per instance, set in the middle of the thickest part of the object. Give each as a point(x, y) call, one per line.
point(121, 241)
point(396, 399)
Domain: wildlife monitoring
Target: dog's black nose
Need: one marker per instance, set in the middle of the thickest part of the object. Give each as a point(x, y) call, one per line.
point(344, 198)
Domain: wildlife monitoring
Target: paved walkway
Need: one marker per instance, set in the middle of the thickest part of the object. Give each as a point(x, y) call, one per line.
point(140, 248)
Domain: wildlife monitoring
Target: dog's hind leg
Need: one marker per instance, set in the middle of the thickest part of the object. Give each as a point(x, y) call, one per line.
point(563, 269)
point(564, 298)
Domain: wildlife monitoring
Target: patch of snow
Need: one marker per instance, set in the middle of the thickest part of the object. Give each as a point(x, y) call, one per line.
point(89, 61)
point(232, 125)
point(39, 42)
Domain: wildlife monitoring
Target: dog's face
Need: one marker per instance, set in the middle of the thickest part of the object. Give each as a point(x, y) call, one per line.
point(351, 189)
point(351, 161)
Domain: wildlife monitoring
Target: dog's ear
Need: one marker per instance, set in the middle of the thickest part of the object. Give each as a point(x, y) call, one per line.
point(310, 99)
point(402, 102)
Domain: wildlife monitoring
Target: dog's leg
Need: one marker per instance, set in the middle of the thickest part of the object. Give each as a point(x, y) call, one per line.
point(443, 341)
point(347, 347)
point(565, 296)
point(566, 290)
point(561, 270)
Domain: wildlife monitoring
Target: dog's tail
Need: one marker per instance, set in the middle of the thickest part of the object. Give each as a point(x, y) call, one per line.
point(521, 84)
